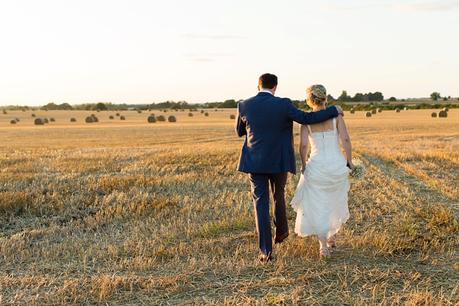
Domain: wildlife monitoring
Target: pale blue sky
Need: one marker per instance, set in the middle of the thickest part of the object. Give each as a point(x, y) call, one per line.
point(139, 51)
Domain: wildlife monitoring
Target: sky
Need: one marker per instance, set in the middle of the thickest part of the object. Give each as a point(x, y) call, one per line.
point(144, 51)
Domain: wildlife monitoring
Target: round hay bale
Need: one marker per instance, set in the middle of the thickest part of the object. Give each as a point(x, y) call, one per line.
point(443, 114)
point(161, 118)
point(352, 111)
point(206, 114)
point(165, 110)
point(379, 110)
point(397, 110)
point(151, 119)
point(202, 111)
point(39, 121)
point(5, 112)
point(72, 119)
point(13, 121)
point(373, 111)
point(117, 114)
point(111, 117)
point(17, 119)
point(190, 114)
point(139, 111)
point(33, 115)
point(52, 120)
point(368, 114)
point(433, 115)
point(122, 118)
point(172, 119)
point(232, 116)
point(89, 119)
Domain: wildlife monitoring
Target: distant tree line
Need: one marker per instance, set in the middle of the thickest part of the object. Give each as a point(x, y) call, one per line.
point(358, 97)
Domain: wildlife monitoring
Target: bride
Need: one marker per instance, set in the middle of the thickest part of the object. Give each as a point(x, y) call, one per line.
point(320, 199)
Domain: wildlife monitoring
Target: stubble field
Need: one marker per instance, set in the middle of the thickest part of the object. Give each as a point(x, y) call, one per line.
point(126, 212)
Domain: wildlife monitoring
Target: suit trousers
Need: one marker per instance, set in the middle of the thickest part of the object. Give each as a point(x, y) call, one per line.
point(260, 194)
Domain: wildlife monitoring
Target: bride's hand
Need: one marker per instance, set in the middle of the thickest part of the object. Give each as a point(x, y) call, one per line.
point(350, 165)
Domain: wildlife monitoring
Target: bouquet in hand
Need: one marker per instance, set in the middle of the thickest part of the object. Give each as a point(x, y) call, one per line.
point(358, 169)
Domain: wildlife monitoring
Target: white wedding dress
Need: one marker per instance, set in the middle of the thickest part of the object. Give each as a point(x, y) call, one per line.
point(320, 199)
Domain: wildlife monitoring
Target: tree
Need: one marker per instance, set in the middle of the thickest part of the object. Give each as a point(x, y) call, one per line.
point(229, 104)
point(392, 99)
point(330, 98)
point(344, 96)
point(101, 106)
point(435, 96)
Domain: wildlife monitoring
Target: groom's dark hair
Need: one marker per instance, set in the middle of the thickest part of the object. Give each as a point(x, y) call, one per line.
point(268, 81)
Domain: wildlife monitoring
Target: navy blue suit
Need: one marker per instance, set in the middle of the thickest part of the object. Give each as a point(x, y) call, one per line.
point(267, 155)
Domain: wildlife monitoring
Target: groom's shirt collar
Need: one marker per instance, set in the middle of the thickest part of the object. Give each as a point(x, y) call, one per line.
point(266, 90)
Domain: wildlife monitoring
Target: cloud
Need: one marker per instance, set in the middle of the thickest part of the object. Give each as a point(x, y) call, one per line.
point(440, 5)
point(211, 37)
point(206, 57)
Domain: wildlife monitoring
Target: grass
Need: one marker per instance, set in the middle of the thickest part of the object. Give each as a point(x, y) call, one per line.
point(127, 212)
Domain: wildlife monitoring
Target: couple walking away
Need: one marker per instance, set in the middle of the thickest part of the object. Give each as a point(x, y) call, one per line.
point(320, 199)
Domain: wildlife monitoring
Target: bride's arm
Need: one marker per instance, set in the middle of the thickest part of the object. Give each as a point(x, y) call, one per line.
point(345, 140)
point(304, 146)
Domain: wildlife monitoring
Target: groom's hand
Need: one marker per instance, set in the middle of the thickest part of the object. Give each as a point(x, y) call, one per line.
point(340, 110)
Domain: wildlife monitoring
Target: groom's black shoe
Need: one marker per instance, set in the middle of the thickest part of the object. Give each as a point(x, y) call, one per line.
point(280, 238)
point(263, 258)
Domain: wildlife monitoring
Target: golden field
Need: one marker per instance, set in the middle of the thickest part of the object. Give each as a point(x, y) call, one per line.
point(126, 212)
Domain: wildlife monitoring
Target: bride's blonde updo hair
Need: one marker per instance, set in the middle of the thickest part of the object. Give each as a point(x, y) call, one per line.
point(316, 95)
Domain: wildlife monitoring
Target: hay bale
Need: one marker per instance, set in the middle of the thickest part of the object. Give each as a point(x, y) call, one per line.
point(111, 117)
point(232, 116)
point(368, 114)
point(17, 119)
point(172, 119)
point(165, 110)
point(379, 110)
point(139, 111)
point(161, 118)
point(72, 119)
point(33, 115)
point(373, 111)
point(206, 114)
point(352, 111)
point(433, 115)
point(5, 112)
point(52, 120)
point(151, 119)
point(202, 111)
point(13, 121)
point(122, 118)
point(443, 114)
point(446, 109)
point(190, 114)
point(89, 119)
point(397, 110)
point(39, 121)
point(46, 120)
point(117, 114)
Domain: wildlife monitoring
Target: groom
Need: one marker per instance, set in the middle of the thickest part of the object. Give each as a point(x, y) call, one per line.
point(267, 154)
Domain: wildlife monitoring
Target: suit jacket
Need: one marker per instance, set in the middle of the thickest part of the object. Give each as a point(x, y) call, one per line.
point(267, 123)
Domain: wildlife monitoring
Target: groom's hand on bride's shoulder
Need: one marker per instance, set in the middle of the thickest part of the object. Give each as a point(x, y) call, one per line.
point(340, 110)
